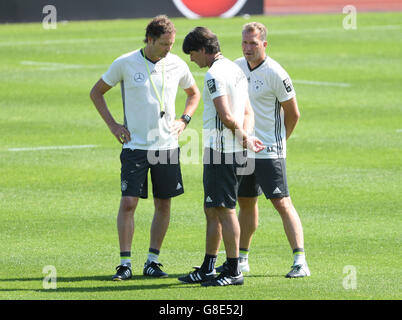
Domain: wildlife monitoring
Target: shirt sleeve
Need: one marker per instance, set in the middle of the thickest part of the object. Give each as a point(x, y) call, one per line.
point(187, 79)
point(215, 85)
point(114, 74)
point(282, 85)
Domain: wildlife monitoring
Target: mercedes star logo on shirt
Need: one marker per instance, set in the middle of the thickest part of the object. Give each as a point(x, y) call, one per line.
point(139, 77)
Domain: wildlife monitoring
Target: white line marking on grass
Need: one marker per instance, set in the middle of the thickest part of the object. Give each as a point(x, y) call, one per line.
point(398, 130)
point(59, 66)
point(225, 35)
point(320, 30)
point(65, 41)
point(85, 146)
point(323, 83)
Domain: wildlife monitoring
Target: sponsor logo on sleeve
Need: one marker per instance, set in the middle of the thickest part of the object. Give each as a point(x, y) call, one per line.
point(288, 85)
point(211, 85)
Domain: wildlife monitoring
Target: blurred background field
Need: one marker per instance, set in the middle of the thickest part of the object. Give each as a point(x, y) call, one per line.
point(58, 206)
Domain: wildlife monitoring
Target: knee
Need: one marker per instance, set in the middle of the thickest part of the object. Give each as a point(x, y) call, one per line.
point(211, 214)
point(128, 204)
point(162, 206)
point(248, 205)
point(283, 205)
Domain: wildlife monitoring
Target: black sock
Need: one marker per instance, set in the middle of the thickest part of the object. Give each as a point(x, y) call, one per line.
point(154, 251)
point(209, 263)
point(233, 266)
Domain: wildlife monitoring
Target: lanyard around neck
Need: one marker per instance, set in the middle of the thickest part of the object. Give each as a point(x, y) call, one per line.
point(158, 96)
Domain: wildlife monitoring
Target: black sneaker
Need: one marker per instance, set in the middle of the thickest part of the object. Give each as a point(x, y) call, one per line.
point(197, 276)
point(224, 279)
point(153, 269)
point(123, 273)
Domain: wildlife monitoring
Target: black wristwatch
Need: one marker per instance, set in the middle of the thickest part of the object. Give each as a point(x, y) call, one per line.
point(186, 118)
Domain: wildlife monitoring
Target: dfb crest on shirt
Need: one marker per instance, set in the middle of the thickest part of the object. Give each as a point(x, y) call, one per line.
point(258, 84)
point(211, 85)
point(288, 85)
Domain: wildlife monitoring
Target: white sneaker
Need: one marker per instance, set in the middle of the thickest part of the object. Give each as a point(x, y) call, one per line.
point(299, 271)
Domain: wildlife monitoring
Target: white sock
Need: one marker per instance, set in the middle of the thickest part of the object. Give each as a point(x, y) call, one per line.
point(152, 257)
point(126, 262)
point(243, 255)
point(299, 258)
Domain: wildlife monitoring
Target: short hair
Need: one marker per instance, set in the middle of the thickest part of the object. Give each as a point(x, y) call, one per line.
point(158, 26)
point(201, 37)
point(256, 26)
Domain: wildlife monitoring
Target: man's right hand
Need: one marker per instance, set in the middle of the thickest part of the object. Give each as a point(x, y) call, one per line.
point(253, 143)
point(120, 132)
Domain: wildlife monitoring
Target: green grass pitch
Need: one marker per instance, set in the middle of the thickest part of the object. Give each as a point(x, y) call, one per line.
point(58, 207)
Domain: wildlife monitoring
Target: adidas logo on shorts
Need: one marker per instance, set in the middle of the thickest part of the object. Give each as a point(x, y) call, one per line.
point(277, 190)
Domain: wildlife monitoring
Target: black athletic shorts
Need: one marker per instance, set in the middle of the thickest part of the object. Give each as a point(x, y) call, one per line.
point(165, 173)
point(221, 178)
point(269, 177)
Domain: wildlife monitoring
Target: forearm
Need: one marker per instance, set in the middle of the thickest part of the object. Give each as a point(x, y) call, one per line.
point(248, 124)
point(193, 98)
point(237, 129)
point(191, 105)
point(245, 140)
point(291, 114)
point(97, 96)
point(290, 125)
point(100, 105)
point(227, 118)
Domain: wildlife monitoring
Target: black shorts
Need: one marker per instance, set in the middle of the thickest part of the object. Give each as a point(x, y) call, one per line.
point(221, 178)
point(269, 177)
point(165, 173)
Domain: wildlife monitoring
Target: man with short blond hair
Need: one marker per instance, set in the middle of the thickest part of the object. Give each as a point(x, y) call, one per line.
point(273, 100)
point(256, 27)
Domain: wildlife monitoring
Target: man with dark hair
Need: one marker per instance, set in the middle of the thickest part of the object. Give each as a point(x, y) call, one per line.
point(201, 38)
point(157, 27)
point(149, 79)
point(227, 118)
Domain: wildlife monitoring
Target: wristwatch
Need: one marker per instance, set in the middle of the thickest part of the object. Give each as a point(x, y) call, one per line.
point(186, 118)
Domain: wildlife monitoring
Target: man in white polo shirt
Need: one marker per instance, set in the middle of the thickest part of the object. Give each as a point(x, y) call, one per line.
point(273, 100)
point(149, 79)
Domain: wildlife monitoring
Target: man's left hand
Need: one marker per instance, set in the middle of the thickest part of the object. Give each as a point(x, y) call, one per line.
point(177, 127)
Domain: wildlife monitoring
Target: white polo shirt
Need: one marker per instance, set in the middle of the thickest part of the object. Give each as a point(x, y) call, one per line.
point(268, 85)
point(141, 106)
point(223, 78)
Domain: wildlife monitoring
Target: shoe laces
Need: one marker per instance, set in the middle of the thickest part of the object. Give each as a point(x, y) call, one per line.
point(196, 270)
point(297, 267)
point(122, 267)
point(156, 265)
